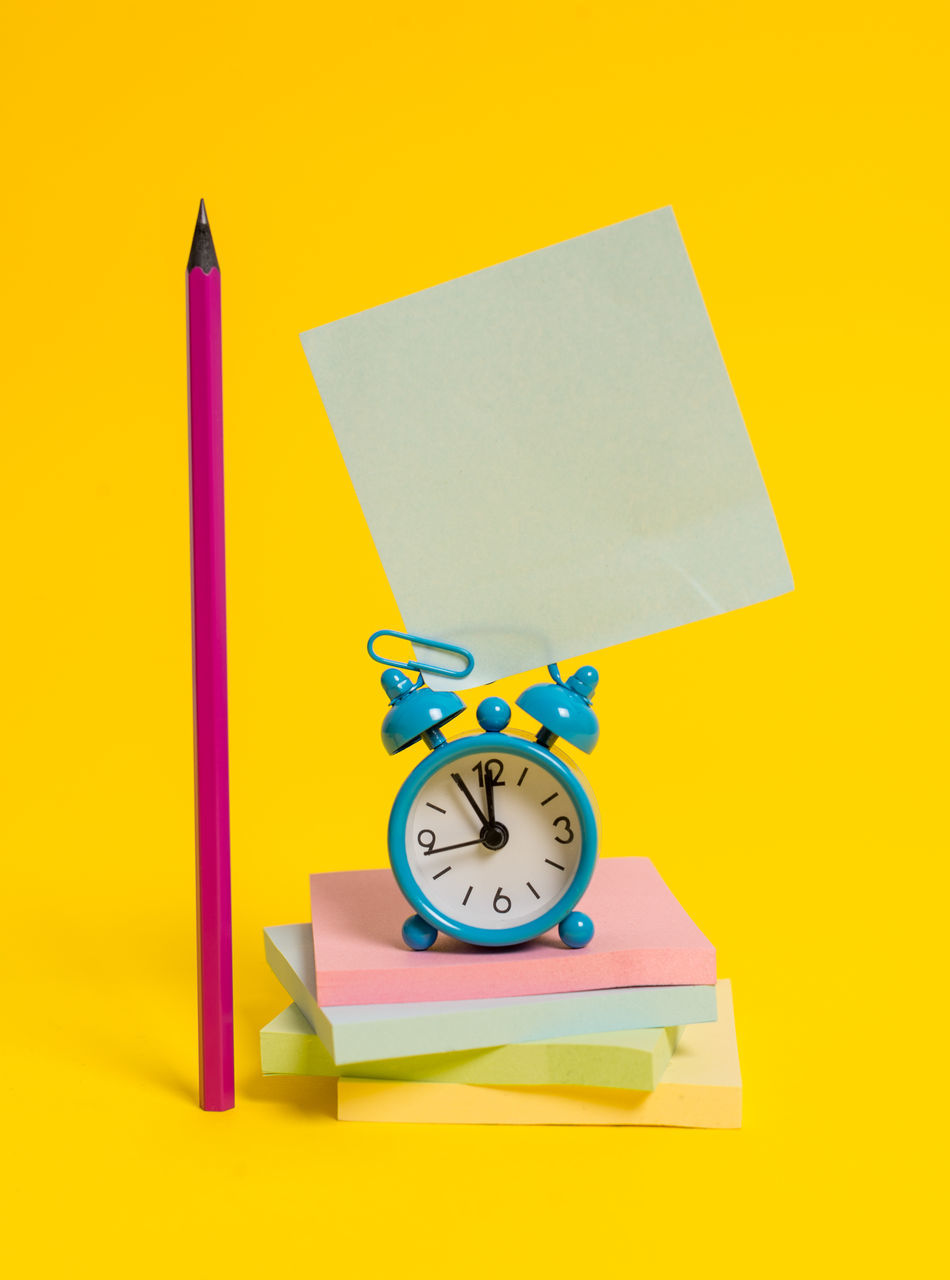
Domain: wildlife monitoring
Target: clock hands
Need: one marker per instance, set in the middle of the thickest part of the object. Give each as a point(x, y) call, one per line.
point(493, 835)
point(460, 783)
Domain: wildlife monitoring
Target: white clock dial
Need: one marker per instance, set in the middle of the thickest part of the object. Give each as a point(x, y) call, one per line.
point(501, 873)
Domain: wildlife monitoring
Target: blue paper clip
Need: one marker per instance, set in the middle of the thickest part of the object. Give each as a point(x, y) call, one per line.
point(412, 665)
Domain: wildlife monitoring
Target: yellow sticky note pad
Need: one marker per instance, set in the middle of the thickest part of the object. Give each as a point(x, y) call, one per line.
point(701, 1088)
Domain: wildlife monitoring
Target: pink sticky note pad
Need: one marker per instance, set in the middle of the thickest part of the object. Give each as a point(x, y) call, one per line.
point(643, 938)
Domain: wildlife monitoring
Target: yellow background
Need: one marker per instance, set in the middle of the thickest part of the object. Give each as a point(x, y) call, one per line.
point(779, 764)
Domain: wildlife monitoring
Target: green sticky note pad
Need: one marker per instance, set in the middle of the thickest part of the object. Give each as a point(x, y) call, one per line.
point(608, 1059)
point(549, 452)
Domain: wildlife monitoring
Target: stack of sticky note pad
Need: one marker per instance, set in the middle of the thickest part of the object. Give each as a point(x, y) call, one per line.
point(633, 1029)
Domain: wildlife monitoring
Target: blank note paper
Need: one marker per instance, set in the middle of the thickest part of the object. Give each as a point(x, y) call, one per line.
point(549, 453)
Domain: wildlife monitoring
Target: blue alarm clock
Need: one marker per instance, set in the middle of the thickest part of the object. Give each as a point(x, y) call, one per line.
point(493, 837)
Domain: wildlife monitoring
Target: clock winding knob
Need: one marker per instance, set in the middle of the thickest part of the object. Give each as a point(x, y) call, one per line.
point(493, 715)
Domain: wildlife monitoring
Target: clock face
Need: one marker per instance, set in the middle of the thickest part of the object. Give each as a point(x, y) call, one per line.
point(493, 840)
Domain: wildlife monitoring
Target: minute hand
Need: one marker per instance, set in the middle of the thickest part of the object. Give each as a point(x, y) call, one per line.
point(460, 783)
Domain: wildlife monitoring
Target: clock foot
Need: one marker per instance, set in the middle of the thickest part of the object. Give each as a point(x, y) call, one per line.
point(576, 930)
point(419, 935)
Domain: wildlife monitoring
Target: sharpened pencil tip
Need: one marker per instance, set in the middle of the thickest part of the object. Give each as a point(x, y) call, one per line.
point(202, 246)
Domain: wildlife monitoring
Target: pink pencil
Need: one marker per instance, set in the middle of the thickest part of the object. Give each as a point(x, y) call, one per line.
point(210, 674)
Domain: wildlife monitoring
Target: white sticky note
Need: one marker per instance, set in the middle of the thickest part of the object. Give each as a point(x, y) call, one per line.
point(549, 453)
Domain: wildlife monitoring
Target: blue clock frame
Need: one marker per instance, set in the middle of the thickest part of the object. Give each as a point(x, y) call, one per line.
point(418, 714)
point(530, 751)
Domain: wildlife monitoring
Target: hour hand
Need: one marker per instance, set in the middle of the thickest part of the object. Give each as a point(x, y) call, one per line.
point(490, 796)
point(460, 783)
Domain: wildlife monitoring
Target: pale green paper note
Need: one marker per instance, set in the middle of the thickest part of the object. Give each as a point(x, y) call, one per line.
point(609, 1059)
point(549, 453)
